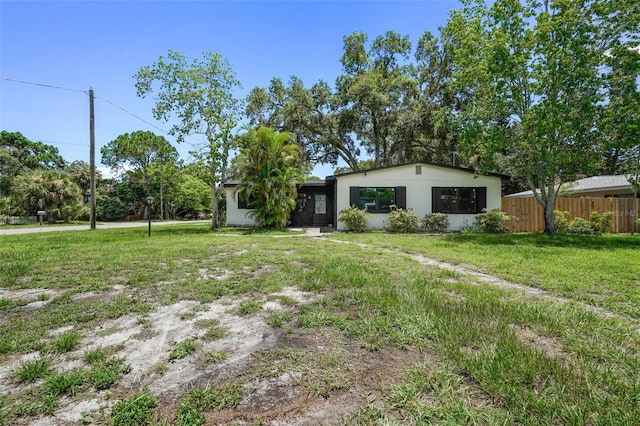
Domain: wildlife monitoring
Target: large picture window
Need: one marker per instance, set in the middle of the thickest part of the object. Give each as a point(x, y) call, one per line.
point(376, 199)
point(461, 200)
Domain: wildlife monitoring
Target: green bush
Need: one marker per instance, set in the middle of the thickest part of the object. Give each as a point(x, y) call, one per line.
point(581, 226)
point(561, 221)
point(598, 223)
point(601, 222)
point(436, 222)
point(402, 221)
point(354, 219)
point(493, 221)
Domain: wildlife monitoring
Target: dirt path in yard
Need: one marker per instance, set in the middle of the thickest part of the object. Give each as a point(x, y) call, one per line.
point(481, 277)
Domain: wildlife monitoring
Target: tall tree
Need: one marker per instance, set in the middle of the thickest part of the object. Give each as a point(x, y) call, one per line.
point(20, 155)
point(310, 115)
point(532, 70)
point(144, 156)
point(270, 168)
point(49, 190)
point(200, 95)
point(371, 89)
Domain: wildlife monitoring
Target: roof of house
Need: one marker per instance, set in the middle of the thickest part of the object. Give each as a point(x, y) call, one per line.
point(327, 181)
point(416, 163)
point(590, 184)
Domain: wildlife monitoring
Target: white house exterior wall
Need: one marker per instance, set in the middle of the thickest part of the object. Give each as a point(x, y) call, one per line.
point(418, 190)
point(236, 216)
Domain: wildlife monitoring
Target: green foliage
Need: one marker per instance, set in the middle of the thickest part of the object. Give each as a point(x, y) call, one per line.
point(135, 411)
point(402, 221)
point(200, 95)
point(183, 349)
point(105, 374)
point(493, 221)
point(66, 382)
point(601, 221)
point(597, 224)
point(354, 219)
point(436, 222)
point(33, 369)
point(66, 342)
point(270, 167)
point(526, 63)
point(49, 190)
point(249, 307)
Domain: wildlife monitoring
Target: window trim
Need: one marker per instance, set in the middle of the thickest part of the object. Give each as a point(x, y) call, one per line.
point(399, 195)
point(480, 200)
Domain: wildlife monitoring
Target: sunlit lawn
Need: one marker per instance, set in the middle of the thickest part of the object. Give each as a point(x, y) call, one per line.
point(498, 357)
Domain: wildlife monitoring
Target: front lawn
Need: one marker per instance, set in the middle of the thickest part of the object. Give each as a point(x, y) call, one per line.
point(241, 327)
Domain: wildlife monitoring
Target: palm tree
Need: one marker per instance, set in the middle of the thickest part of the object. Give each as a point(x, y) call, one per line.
point(270, 166)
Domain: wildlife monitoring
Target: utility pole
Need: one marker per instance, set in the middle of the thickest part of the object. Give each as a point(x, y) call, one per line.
point(92, 160)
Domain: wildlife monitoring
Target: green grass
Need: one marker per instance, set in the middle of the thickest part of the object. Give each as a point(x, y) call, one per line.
point(466, 353)
point(597, 270)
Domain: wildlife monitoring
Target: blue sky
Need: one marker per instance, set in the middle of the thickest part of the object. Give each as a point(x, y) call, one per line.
point(81, 44)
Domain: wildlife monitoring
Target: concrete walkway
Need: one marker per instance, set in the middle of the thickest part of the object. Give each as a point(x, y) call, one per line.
point(9, 230)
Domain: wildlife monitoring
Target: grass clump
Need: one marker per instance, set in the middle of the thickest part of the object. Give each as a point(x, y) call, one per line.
point(196, 401)
point(66, 342)
point(135, 411)
point(32, 370)
point(216, 357)
point(182, 350)
point(66, 382)
point(249, 307)
point(105, 374)
point(278, 319)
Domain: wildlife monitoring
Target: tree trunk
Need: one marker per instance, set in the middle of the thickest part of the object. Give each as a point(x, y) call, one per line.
point(215, 220)
point(549, 224)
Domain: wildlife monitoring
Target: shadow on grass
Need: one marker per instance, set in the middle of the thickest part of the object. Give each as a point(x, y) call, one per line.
point(606, 241)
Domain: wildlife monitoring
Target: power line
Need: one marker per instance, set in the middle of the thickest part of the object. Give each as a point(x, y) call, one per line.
point(133, 115)
point(97, 97)
point(43, 85)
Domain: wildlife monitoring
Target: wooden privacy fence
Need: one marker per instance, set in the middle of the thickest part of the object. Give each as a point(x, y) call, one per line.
point(529, 216)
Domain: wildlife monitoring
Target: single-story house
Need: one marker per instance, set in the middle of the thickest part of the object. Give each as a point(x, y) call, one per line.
point(423, 187)
point(616, 186)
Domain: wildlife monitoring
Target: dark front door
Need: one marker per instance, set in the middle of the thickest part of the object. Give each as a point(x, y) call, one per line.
point(312, 207)
point(303, 213)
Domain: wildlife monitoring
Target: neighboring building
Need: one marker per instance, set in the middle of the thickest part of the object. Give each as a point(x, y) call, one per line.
point(616, 186)
point(422, 187)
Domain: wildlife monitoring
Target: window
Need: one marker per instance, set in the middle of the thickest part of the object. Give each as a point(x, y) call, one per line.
point(377, 200)
point(460, 200)
point(243, 205)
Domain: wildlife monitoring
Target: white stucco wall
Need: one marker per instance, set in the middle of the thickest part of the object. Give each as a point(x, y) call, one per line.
point(418, 190)
point(236, 216)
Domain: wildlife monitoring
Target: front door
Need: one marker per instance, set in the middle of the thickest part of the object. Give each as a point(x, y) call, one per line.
point(304, 211)
point(312, 208)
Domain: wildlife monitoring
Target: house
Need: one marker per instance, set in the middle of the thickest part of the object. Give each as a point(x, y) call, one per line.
point(422, 187)
point(616, 186)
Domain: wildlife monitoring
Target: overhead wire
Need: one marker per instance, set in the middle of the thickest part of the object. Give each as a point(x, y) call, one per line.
point(96, 97)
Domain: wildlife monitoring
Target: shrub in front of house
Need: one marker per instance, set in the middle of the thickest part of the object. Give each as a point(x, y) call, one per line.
point(596, 225)
point(493, 221)
point(354, 219)
point(436, 222)
point(402, 221)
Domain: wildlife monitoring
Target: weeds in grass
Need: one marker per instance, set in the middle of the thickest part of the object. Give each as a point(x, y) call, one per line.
point(105, 374)
point(66, 342)
point(249, 307)
point(32, 370)
point(214, 333)
point(96, 356)
point(278, 319)
point(66, 382)
point(216, 357)
point(183, 349)
point(135, 411)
